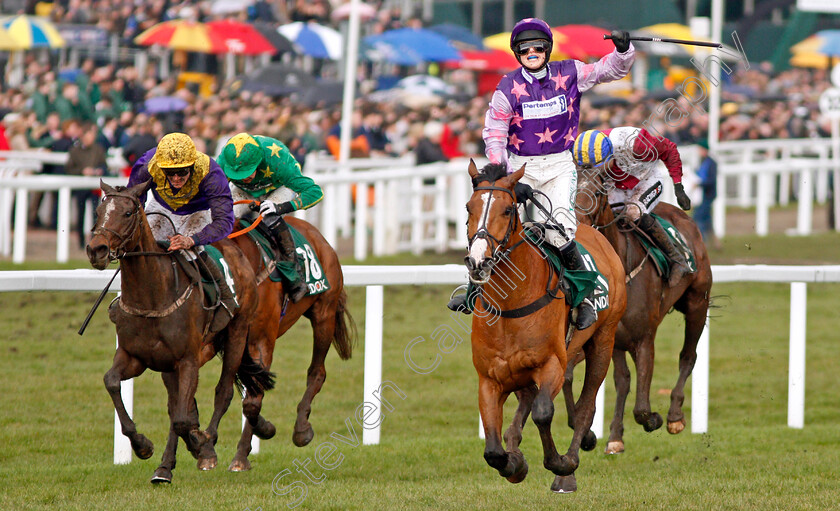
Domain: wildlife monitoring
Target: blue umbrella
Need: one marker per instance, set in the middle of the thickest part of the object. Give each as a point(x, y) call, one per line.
point(830, 42)
point(459, 35)
point(410, 44)
point(163, 104)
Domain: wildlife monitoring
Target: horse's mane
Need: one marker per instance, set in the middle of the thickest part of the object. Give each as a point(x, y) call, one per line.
point(491, 172)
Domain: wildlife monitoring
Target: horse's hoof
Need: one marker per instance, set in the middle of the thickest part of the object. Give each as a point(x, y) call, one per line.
point(301, 438)
point(589, 441)
point(653, 422)
point(564, 484)
point(676, 427)
point(240, 465)
point(162, 475)
point(206, 463)
point(614, 447)
point(520, 474)
point(143, 447)
point(265, 429)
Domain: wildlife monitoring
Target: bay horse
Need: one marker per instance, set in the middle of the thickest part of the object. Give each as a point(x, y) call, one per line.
point(331, 324)
point(162, 324)
point(519, 333)
point(649, 299)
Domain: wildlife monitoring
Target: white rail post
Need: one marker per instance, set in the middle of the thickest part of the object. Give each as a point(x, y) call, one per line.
point(360, 222)
point(380, 210)
point(796, 368)
point(805, 208)
point(21, 216)
point(63, 239)
point(122, 445)
point(700, 384)
point(598, 419)
point(373, 363)
point(762, 204)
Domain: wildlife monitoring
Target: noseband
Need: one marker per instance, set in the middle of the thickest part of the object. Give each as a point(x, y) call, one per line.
point(120, 251)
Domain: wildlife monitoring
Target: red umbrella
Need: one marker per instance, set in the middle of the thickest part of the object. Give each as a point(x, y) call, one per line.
point(490, 60)
point(222, 36)
point(241, 38)
point(584, 41)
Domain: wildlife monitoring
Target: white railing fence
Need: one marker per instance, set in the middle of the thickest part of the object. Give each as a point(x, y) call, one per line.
point(391, 205)
point(375, 277)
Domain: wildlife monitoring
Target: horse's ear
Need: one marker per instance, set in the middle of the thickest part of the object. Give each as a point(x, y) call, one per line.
point(472, 169)
point(108, 189)
point(518, 174)
point(141, 188)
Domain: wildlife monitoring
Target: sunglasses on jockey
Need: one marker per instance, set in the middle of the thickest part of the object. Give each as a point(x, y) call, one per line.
point(539, 46)
point(178, 171)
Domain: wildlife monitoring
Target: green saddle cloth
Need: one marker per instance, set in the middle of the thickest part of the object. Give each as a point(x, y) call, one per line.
point(315, 278)
point(210, 293)
point(677, 239)
point(577, 284)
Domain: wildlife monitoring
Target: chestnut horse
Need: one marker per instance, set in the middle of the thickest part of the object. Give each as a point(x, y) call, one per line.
point(649, 299)
point(331, 324)
point(519, 332)
point(162, 324)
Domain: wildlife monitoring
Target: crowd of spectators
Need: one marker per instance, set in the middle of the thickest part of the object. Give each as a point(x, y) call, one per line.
point(53, 107)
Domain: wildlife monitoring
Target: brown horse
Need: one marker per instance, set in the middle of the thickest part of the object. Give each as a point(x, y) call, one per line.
point(648, 300)
point(519, 332)
point(162, 324)
point(331, 324)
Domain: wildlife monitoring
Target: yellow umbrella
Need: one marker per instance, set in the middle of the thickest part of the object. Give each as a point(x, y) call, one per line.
point(806, 53)
point(7, 42)
point(32, 32)
point(502, 42)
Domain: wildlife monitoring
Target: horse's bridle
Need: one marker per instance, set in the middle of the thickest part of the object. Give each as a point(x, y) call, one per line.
point(121, 250)
point(482, 233)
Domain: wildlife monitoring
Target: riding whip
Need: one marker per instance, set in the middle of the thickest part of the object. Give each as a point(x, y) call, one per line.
point(667, 40)
point(97, 302)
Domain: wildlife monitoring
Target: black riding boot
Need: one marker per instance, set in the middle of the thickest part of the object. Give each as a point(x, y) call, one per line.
point(228, 302)
point(572, 260)
point(283, 237)
point(458, 303)
point(679, 266)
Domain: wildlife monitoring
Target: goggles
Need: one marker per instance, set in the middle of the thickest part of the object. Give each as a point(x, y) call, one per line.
point(177, 172)
point(538, 46)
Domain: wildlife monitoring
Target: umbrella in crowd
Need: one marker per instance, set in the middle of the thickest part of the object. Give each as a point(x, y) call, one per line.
point(342, 12)
point(215, 37)
point(314, 39)
point(275, 79)
point(8, 42)
point(409, 46)
point(489, 61)
point(280, 42)
point(241, 38)
point(583, 42)
point(323, 93)
point(817, 50)
point(164, 104)
point(501, 41)
point(460, 37)
point(32, 32)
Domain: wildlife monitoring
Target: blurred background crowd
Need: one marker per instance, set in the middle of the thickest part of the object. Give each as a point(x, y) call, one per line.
point(58, 98)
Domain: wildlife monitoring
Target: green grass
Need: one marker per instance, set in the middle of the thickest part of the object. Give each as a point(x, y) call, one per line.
point(56, 423)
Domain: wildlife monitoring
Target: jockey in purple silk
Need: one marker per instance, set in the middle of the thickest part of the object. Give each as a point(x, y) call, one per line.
point(533, 121)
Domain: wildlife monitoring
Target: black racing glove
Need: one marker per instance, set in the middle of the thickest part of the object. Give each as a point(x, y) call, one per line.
point(621, 40)
point(682, 198)
point(523, 192)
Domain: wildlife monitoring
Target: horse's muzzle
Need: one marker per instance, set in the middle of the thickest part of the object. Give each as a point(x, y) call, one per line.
point(99, 255)
point(478, 273)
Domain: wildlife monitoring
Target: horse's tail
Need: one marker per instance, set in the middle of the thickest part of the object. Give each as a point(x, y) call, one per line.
point(251, 375)
point(345, 329)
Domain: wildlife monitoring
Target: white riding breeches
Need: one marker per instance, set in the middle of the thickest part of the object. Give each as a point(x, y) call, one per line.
point(641, 199)
point(279, 195)
point(555, 175)
point(186, 225)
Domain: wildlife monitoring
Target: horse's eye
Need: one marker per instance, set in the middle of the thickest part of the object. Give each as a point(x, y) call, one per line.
point(509, 210)
point(129, 213)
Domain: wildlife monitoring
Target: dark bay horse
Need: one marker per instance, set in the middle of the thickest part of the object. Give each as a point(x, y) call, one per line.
point(162, 325)
point(519, 331)
point(331, 324)
point(649, 299)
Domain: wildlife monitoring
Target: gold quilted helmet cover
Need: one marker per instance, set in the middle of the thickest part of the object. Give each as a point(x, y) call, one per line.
point(175, 150)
